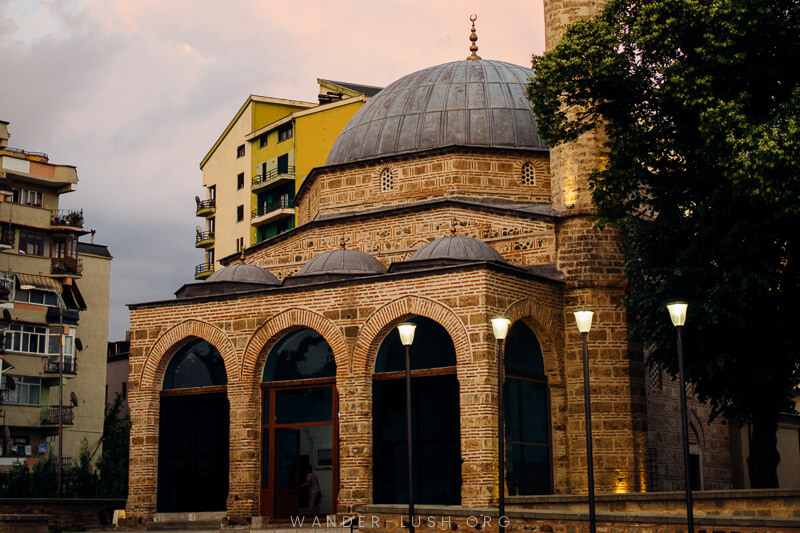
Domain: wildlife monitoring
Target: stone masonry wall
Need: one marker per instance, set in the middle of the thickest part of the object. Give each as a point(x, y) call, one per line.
point(520, 239)
point(476, 174)
point(353, 319)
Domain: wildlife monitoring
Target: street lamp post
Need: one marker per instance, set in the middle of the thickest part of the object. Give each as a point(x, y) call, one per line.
point(583, 319)
point(677, 312)
point(500, 330)
point(406, 330)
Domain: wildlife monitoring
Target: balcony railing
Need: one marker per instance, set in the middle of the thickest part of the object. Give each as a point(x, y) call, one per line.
point(51, 364)
point(203, 270)
point(206, 207)
point(204, 238)
point(66, 217)
point(262, 180)
point(265, 208)
point(66, 265)
point(49, 415)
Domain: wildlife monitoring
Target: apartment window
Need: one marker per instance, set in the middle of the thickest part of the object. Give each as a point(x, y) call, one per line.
point(212, 192)
point(27, 392)
point(37, 340)
point(262, 141)
point(239, 213)
point(240, 180)
point(34, 243)
point(240, 244)
point(124, 390)
point(212, 224)
point(27, 197)
point(36, 296)
point(285, 132)
point(240, 151)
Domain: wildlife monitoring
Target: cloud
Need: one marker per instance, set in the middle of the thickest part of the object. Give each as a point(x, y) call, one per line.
point(134, 93)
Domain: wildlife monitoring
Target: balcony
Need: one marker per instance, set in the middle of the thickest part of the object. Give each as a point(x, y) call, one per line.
point(6, 238)
point(275, 176)
point(267, 213)
point(66, 266)
point(204, 239)
point(51, 364)
point(66, 218)
point(49, 415)
point(70, 316)
point(203, 270)
point(206, 208)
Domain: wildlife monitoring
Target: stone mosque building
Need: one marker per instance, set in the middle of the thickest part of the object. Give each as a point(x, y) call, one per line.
point(439, 204)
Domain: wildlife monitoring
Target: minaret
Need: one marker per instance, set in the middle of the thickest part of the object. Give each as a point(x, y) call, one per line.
point(593, 268)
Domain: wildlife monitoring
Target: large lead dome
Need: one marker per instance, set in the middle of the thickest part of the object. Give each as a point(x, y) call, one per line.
point(467, 103)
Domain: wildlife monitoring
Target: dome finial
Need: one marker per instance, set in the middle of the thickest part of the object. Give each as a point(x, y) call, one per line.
point(342, 242)
point(453, 224)
point(474, 38)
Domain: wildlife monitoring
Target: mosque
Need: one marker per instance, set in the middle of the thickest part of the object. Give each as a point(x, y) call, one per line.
point(439, 204)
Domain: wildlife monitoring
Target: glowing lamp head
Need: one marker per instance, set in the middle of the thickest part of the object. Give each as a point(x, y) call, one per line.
point(406, 330)
point(583, 319)
point(500, 326)
point(677, 312)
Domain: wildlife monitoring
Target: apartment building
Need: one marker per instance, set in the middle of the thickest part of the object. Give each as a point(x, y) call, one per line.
point(54, 292)
point(252, 171)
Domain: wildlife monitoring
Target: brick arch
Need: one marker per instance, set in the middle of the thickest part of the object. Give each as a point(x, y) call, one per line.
point(255, 355)
point(176, 337)
point(546, 327)
point(696, 427)
point(384, 318)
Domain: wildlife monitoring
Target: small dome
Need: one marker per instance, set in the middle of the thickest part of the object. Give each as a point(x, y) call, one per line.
point(467, 103)
point(457, 247)
point(244, 274)
point(342, 261)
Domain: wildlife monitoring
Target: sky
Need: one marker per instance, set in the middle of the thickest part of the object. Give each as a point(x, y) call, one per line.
point(134, 93)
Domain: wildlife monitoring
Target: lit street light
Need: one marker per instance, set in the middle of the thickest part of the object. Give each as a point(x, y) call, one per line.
point(500, 330)
point(677, 312)
point(583, 319)
point(406, 330)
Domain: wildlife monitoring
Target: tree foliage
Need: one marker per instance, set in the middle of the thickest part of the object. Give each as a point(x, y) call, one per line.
point(700, 100)
point(113, 463)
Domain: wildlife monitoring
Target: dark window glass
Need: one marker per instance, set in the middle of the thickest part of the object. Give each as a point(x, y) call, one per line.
point(527, 414)
point(240, 151)
point(198, 364)
point(240, 180)
point(302, 354)
point(526, 411)
point(239, 213)
point(527, 469)
point(287, 442)
point(262, 141)
point(304, 405)
point(522, 351)
point(432, 348)
point(435, 435)
point(285, 132)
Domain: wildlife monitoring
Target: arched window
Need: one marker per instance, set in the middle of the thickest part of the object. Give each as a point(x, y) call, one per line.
point(527, 414)
point(193, 431)
point(299, 428)
point(435, 418)
point(302, 354)
point(198, 364)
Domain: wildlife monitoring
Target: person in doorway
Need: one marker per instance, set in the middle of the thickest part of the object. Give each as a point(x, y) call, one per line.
point(314, 494)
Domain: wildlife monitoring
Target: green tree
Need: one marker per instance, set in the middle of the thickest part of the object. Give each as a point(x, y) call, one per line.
point(700, 102)
point(44, 476)
point(82, 478)
point(16, 483)
point(113, 463)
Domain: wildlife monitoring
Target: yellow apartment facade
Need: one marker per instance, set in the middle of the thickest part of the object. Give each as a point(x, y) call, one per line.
point(251, 173)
